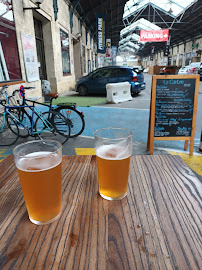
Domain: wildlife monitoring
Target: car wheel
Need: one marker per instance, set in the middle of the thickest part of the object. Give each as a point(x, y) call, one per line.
point(82, 90)
point(167, 73)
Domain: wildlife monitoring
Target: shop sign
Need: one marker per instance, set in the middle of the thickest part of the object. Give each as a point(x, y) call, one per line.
point(30, 57)
point(101, 39)
point(195, 46)
point(108, 55)
point(154, 35)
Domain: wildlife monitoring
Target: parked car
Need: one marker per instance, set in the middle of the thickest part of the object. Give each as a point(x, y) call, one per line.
point(168, 70)
point(95, 82)
point(183, 70)
point(200, 72)
point(194, 67)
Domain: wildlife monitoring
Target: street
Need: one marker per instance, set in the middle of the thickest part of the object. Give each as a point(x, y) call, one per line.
point(133, 115)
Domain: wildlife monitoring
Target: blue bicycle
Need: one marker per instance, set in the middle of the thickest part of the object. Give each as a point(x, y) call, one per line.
point(48, 125)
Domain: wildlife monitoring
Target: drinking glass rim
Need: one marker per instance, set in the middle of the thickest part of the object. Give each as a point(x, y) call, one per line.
point(128, 136)
point(39, 156)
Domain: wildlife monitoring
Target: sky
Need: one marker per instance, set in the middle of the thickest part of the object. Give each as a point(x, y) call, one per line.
point(176, 5)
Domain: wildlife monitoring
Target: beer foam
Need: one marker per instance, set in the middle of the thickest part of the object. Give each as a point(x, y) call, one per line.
point(38, 161)
point(112, 151)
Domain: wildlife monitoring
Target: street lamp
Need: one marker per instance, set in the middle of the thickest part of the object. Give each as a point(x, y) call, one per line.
point(36, 2)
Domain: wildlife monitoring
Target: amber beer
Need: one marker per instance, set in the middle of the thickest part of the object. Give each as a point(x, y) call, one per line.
point(41, 181)
point(113, 171)
point(113, 148)
point(39, 165)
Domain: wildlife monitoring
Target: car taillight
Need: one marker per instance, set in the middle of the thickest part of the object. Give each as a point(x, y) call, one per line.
point(134, 79)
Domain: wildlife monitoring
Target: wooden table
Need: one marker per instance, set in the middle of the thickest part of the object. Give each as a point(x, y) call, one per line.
point(157, 226)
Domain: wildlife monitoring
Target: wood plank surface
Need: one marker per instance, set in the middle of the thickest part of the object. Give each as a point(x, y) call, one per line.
point(157, 226)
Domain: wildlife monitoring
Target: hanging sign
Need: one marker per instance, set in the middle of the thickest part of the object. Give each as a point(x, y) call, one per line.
point(101, 40)
point(173, 109)
point(154, 35)
point(30, 57)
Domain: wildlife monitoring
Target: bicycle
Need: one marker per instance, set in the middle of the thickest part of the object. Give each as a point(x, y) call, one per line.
point(9, 131)
point(52, 124)
point(74, 117)
point(4, 98)
point(12, 101)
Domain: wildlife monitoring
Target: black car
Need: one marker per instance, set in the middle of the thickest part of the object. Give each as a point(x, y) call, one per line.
point(95, 82)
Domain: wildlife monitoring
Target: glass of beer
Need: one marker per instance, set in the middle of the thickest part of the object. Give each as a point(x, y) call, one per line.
point(39, 165)
point(113, 149)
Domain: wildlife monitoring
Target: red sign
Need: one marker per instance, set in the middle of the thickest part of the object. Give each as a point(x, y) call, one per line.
point(154, 35)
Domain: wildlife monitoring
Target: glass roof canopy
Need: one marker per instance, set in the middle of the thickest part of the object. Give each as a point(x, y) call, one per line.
point(141, 24)
point(171, 7)
point(5, 12)
point(177, 6)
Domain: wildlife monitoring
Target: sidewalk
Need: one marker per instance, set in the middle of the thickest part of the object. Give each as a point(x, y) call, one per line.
point(133, 115)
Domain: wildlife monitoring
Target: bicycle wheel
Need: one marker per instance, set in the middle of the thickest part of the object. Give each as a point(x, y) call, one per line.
point(1, 121)
point(9, 132)
point(12, 101)
point(52, 126)
point(75, 119)
point(23, 121)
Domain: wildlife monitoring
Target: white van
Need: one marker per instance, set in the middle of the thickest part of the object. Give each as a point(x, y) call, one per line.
point(194, 67)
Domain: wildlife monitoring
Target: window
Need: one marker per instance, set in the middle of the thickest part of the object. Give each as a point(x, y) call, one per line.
point(123, 72)
point(9, 59)
point(174, 60)
point(188, 59)
point(65, 52)
point(115, 72)
point(103, 73)
point(84, 58)
point(180, 60)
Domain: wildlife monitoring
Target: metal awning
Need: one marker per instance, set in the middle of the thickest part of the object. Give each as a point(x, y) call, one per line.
point(182, 27)
point(113, 9)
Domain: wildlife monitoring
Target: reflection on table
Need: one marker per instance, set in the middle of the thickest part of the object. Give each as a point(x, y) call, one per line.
point(157, 226)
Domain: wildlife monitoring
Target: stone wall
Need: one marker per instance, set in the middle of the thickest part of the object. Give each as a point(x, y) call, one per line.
point(177, 51)
point(24, 21)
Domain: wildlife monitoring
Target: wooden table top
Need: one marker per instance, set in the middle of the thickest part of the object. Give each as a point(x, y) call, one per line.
point(157, 226)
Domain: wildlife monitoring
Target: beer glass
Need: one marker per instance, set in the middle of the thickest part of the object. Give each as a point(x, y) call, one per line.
point(113, 148)
point(39, 165)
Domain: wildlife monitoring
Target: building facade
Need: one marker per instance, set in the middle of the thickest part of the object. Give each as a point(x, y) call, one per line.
point(50, 43)
point(180, 55)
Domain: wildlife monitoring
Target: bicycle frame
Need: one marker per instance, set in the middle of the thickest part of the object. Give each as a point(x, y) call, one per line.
point(4, 92)
point(3, 123)
point(34, 112)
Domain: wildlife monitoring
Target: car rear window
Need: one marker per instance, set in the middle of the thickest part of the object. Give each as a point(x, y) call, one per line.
point(114, 72)
point(123, 72)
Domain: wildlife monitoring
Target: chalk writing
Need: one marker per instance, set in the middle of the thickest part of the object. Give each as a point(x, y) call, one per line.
point(174, 107)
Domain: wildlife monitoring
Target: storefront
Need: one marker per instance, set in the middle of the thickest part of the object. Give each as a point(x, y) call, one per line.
point(47, 43)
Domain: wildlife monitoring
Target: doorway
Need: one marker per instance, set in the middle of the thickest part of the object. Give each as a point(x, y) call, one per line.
point(40, 49)
point(77, 58)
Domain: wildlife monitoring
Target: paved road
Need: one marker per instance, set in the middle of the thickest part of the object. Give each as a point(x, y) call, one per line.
point(133, 115)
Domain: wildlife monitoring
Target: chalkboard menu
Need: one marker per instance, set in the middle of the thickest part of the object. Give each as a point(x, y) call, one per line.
point(174, 107)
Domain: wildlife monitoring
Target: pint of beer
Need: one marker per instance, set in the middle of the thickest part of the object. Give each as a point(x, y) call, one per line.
point(39, 165)
point(113, 148)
